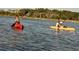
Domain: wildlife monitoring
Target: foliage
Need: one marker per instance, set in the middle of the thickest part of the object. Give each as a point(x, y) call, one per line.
point(43, 13)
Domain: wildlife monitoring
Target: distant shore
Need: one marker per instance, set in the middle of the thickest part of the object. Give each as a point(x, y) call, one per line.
point(76, 21)
point(34, 18)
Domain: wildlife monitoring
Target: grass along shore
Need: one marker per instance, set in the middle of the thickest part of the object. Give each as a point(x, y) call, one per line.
point(76, 21)
point(34, 18)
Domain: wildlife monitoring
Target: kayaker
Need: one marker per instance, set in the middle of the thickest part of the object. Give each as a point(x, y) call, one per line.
point(17, 25)
point(62, 25)
point(58, 25)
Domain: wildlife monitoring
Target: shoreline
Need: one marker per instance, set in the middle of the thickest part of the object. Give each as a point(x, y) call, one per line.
point(35, 18)
point(76, 21)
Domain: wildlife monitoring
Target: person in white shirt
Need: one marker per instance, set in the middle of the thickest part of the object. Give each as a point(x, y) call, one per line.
point(58, 25)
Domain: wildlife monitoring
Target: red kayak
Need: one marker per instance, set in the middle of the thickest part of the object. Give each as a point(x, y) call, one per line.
point(17, 26)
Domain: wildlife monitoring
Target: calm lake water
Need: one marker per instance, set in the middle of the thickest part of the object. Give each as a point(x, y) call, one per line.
point(37, 36)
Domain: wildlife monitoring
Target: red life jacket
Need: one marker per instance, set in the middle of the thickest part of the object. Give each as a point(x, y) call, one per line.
point(18, 27)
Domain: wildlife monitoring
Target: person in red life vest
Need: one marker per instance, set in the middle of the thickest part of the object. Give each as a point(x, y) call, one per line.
point(17, 25)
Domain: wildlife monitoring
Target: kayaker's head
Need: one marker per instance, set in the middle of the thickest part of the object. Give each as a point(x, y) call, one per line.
point(58, 20)
point(17, 16)
point(61, 22)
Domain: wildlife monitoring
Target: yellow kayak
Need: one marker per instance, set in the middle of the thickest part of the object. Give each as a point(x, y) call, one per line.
point(67, 29)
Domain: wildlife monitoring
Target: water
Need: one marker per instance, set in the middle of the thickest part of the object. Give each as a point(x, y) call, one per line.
point(37, 36)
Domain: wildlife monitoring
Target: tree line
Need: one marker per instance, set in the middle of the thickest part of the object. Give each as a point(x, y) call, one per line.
point(43, 13)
